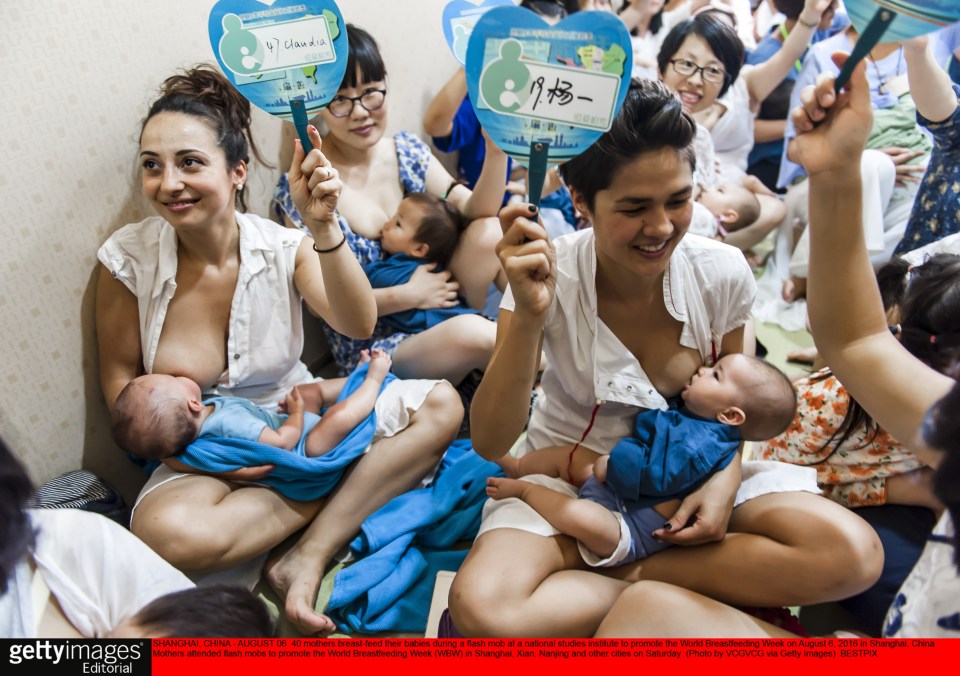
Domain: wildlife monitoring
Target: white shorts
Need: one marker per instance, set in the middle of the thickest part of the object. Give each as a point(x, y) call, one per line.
point(758, 477)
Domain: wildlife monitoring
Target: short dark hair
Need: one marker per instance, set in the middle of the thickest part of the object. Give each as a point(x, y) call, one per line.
point(651, 119)
point(722, 40)
point(16, 531)
point(772, 405)
point(364, 62)
point(439, 228)
point(203, 92)
point(553, 9)
point(214, 611)
point(167, 430)
point(789, 8)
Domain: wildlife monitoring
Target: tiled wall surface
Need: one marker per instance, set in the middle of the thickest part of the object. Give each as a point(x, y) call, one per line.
point(76, 81)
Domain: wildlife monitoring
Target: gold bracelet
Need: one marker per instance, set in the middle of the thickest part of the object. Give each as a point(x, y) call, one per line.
point(331, 249)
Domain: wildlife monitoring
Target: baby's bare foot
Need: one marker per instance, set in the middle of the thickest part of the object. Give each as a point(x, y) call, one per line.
point(364, 356)
point(380, 363)
point(499, 488)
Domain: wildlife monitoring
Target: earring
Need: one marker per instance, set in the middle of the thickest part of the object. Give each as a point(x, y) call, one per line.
point(240, 187)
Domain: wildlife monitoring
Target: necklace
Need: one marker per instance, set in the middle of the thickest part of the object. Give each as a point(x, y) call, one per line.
point(883, 83)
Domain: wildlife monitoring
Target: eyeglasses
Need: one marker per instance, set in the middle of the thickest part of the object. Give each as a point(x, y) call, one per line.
point(371, 100)
point(708, 73)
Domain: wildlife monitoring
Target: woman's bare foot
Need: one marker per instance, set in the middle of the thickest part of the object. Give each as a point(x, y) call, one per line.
point(295, 576)
point(499, 488)
point(807, 355)
point(794, 288)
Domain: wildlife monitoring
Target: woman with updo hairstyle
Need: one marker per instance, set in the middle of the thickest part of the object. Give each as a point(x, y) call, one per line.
point(205, 291)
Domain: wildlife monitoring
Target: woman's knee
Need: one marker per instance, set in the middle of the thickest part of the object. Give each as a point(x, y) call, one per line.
point(443, 408)
point(179, 537)
point(476, 336)
point(476, 604)
point(848, 550)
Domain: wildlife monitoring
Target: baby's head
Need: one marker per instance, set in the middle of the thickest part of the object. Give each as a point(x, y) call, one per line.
point(157, 416)
point(746, 392)
point(734, 205)
point(211, 611)
point(424, 227)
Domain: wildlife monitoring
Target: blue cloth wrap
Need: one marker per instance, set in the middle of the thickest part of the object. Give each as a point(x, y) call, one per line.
point(294, 475)
point(403, 545)
point(396, 270)
point(671, 453)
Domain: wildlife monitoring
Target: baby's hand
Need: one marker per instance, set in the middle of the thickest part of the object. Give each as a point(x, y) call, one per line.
point(293, 404)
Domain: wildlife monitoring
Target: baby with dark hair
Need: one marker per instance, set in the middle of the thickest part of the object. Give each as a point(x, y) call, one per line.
point(424, 231)
point(628, 494)
point(213, 611)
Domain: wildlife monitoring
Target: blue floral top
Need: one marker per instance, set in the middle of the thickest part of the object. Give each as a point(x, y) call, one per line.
point(413, 156)
point(936, 208)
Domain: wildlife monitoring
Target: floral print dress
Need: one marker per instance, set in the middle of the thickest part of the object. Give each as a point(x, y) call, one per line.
point(854, 474)
point(413, 156)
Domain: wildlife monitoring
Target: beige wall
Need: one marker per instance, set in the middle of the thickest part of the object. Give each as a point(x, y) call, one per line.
point(76, 80)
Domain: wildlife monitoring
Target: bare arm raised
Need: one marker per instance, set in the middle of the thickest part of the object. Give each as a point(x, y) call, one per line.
point(846, 314)
point(500, 406)
point(330, 279)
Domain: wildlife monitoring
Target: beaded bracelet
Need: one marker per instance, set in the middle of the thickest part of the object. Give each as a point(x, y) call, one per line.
point(331, 249)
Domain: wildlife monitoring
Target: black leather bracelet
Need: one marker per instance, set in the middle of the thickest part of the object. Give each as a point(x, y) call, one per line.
point(331, 249)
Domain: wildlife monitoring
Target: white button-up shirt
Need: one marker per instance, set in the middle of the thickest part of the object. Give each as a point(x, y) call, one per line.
point(708, 287)
point(265, 335)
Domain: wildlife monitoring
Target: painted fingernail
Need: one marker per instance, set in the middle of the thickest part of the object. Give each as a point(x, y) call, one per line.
point(532, 209)
point(668, 526)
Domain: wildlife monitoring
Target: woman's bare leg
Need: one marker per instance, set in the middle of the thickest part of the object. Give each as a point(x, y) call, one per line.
point(203, 524)
point(796, 549)
point(394, 465)
point(650, 609)
point(448, 351)
point(475, 264)
point(518, 584)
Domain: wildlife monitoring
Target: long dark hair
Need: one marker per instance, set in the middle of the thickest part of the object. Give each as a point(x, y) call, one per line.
point(16, 533)
point(929, 299)
point(941, 430)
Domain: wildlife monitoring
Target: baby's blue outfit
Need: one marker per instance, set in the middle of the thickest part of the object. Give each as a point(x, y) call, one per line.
point(396, 270)
point(671, 453)
point(237, 418)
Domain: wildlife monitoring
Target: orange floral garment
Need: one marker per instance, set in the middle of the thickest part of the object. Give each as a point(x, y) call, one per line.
point(855, 475)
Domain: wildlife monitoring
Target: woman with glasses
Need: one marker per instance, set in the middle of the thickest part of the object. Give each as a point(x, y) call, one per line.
point(377, 171)
point(207, 291)
point(701, 60)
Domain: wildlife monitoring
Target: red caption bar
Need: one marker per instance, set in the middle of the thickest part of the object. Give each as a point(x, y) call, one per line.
point(210, 657)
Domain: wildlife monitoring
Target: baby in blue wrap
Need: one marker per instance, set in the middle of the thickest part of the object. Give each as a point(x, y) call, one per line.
point(157, 416)
point(424, 231)
point(628, 494)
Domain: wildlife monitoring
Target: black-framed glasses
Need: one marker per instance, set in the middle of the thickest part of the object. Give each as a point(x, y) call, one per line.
point(371, 100)
point(686, 68)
